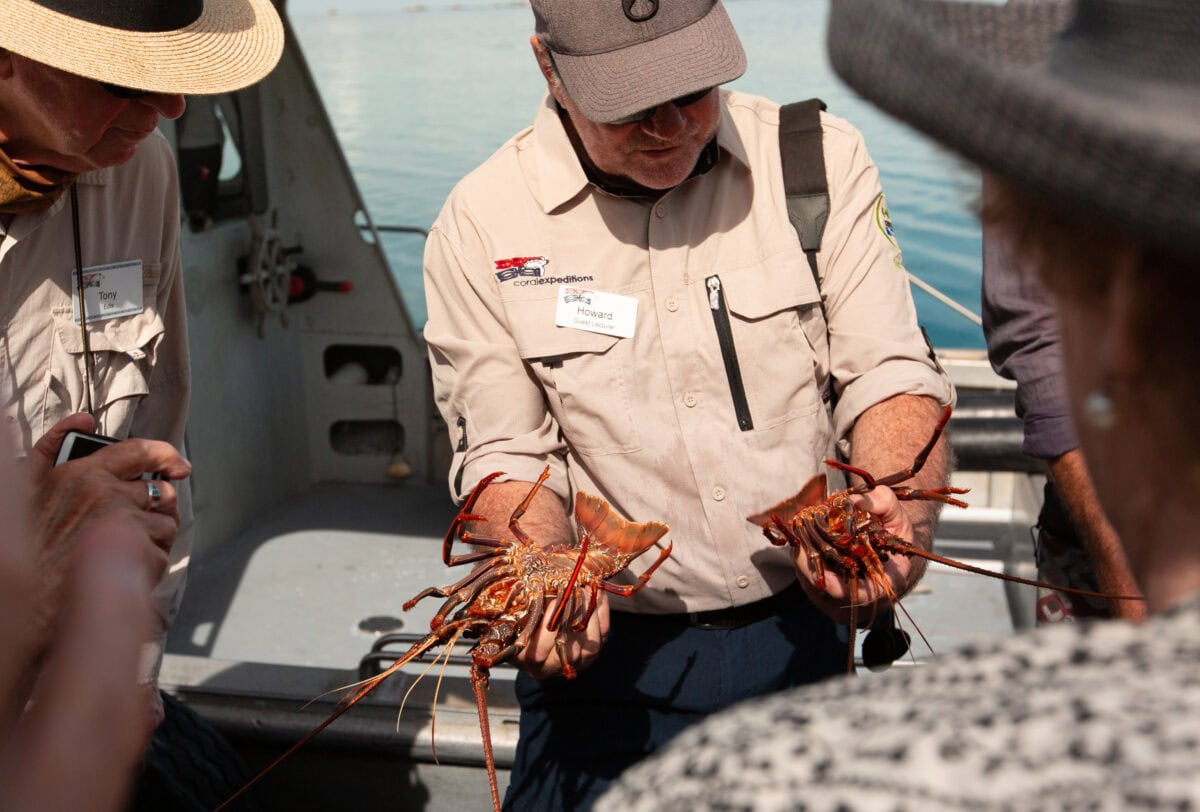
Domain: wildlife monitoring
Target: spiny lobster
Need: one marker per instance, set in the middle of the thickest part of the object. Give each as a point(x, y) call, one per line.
point(836, 534)
point(502, 602)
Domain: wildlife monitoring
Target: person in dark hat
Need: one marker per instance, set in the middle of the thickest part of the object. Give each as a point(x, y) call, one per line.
point(620, 295)
point(91, 295)
point(1075, 546)
point(1090, 144)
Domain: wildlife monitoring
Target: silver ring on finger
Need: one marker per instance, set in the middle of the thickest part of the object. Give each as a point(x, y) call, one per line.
point(155, 495)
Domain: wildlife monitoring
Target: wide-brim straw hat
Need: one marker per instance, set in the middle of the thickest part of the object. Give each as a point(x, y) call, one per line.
point(619, 57)
point(1094, 105)
point(164, 46)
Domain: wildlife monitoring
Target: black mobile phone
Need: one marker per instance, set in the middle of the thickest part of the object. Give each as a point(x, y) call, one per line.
point(79, 444)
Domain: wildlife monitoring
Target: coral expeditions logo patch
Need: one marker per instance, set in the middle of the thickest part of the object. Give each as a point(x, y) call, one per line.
point(531, 271)
point(507, 269)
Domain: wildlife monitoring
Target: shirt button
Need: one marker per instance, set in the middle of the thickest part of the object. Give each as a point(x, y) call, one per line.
point(718, 493)
point(690, 400)
point(660, 210)
point(672, 305)
point(743, 581)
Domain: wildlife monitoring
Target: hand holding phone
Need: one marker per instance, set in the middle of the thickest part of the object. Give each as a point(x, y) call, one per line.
point(95, 485)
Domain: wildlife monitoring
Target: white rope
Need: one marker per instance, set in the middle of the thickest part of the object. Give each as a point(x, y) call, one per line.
point(944, 299)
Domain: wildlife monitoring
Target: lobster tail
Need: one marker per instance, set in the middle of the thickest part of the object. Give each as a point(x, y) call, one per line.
point(813, 492)
point(597, 518)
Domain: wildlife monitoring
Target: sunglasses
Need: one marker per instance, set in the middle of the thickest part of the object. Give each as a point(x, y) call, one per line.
point(123, 92)
point(642, 115)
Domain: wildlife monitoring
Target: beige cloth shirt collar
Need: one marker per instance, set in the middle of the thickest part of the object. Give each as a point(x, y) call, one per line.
point(19, 227)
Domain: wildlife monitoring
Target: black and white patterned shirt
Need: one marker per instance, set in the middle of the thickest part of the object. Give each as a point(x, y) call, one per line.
point(1070, 717)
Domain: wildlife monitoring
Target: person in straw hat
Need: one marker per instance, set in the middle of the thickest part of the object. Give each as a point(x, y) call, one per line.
point(619, 295)
point(89, 223)
point(1090, 143)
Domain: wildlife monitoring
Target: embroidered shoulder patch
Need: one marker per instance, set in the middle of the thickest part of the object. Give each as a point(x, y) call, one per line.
point(883, 220)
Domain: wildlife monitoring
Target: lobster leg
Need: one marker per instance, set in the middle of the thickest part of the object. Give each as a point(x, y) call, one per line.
point(465, 515)
point(498, 547)
point(453, 590)
point(556, 618)
point(815, 532)
point(626, 591)
point(589, 610)
point(777, 532)
point(535, 610)
point(523, 506)
point(932, 495)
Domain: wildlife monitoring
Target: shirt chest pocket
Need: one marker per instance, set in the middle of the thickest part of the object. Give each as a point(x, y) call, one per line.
point(583, 375)
point(779, 336)
point(122, 353)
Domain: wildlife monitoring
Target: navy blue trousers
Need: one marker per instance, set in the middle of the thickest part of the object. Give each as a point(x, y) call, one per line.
point(653, 678)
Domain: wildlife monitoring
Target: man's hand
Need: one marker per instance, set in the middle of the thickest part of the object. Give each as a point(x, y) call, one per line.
point(104, 486)
point(1113, 574)
point(835, 599)
point(886, 439)
point(541, 658)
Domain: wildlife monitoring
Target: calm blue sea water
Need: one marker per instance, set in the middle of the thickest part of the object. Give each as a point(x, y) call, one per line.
point(421, 94)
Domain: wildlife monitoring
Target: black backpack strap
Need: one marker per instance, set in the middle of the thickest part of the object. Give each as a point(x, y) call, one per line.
point(807, 190)
point(804, 181)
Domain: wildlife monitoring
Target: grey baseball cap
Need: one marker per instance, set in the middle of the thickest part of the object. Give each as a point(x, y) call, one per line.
point(616, 57)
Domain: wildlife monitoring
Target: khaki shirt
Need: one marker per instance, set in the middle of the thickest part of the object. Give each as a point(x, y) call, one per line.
point(141, 377)
point(648, 421)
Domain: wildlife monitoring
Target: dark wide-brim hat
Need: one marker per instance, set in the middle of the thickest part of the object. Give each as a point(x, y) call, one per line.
point(618, 57)
point(1095, 105)
point(164, 46)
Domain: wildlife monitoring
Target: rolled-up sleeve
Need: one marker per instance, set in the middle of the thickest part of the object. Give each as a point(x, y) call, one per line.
point(496, 410)
point(1021, 331)
point(875, 344)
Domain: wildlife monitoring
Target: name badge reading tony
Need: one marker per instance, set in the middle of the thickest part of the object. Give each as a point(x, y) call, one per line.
point(596, 312)
point(109, 291)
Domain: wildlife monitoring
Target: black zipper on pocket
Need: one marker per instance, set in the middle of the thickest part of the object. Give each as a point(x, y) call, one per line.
point(461, 447)
point(716, 303)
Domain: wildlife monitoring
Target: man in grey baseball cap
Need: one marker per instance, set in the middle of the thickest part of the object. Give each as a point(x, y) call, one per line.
point(619, 295)
point(614, 65)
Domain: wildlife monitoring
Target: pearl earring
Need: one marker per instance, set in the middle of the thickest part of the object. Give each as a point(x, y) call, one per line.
point(1099, 410)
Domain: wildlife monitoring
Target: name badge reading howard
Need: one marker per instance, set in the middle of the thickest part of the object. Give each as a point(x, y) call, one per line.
point(109, 291)
point(596, 312)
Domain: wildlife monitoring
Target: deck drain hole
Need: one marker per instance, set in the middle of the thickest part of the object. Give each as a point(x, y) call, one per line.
point(380, 624)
